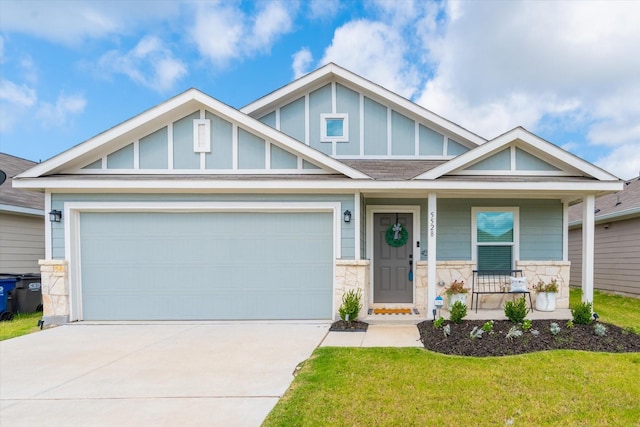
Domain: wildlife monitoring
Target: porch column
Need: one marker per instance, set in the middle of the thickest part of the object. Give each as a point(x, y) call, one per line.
point(588, 244)
point(431, 252)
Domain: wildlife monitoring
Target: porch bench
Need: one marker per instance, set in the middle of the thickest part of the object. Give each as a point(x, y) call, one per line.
point(494, 282)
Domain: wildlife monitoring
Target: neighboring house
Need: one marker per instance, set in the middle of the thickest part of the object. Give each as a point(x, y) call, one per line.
point(617, 241)
point(196, 210)
point(21, 221)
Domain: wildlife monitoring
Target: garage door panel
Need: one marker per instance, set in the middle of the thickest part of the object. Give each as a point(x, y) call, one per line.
point(141, 266)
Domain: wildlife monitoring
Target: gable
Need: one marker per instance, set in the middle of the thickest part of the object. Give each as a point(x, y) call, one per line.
point(368, 120)
point(514, 160)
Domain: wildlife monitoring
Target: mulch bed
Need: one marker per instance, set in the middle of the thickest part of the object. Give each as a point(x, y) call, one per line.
point(355, 326)
point(580, 337)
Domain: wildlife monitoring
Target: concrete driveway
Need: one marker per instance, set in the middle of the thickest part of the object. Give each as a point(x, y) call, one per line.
point(209, 374)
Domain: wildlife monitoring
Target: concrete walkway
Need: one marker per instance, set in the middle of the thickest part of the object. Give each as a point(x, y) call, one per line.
point(376, 336)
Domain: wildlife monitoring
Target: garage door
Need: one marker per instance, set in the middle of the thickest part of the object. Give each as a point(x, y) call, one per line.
point(194, 266)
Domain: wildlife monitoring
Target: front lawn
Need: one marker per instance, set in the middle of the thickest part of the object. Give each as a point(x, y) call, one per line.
point(21, 324)
point(616, 309)
point(408, 386)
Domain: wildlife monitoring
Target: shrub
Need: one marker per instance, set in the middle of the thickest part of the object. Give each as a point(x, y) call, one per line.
point(582, 314)
point(516, 311)
point(488, 326)
point(569, 323)
point(458, 312)
point(600, 329)
point(476, 333)
point(526, 324)
point(439, 322)
point(446, 330)
point(514, 332)
point(554, 328)
point(351, 305)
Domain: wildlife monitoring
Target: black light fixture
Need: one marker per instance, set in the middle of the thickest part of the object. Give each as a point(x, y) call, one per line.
point(347, 216)
point(55, 216)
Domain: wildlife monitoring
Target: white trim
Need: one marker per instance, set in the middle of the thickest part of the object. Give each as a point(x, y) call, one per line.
point(207, 171)
point(72, 211)
point(565, 230)
point(357, 224)
point(389, 133)
point(361, 114)
point(374, 209)
point(334, 98)
point(21, 210)
point(170, 146)
point(234, 146)
point(204, 145)
point(136, 154)
point(416, 142)
point(47, 225)
point(267, 156)
point(588, 246)
point(516, 232)
point(445, 146)
point(432, 261)
point(511, 172)
point(512, 158)
point(345, 128)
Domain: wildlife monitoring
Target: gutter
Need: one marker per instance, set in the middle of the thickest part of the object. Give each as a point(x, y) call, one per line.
point(614, 216)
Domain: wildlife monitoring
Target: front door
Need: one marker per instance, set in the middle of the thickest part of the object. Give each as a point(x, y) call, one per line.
point(392, 277)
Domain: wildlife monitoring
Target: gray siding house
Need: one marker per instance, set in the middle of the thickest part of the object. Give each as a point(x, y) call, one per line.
point(197, 210)
point(21, 221)
point(617, 241)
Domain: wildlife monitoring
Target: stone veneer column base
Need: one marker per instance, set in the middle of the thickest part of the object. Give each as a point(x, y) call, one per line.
point(546, 271)
point(55, 291)
point(352, 275)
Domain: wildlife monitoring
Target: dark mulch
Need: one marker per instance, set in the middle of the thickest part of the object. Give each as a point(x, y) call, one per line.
point(580, 337)
point(355, 326)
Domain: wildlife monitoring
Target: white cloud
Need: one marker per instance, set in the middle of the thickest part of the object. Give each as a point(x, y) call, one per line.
point(222, 31)
point(375, 51)
point(149, 63)
point(19, 95)
point(302, 61)
point(622, 161)
point(59, 114)
point(323, 9)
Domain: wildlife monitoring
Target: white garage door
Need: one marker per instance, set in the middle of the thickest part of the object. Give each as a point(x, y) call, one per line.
point(206, 265)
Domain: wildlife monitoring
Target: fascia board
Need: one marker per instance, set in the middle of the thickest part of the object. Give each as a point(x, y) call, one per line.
point(21, 210)
point(610, 217)
point(104, 183)
point(333, 70)
point(527, 138)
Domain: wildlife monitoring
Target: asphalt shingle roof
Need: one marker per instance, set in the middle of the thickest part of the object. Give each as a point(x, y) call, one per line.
point(13, 166)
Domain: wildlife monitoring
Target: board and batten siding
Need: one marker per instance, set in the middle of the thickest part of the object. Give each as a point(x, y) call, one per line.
point(21, 243)
point(617, 256)
point(346, 201)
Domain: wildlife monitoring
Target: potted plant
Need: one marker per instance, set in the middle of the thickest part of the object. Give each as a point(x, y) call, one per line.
point(456, 292)
point(546, 295)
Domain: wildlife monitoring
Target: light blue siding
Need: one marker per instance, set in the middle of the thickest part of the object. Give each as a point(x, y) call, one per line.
point(375, 128)
point(154, 150)
point(269, 119)
point(183, 155)
point(199, 266)
point(251, 151)
point(308, 165)
point(292, 119)
point(221, 155)
point(431, 142)
point(319, 103)
point(455, 148)
point(498, 162)
point(528, 162)
point(348, 101)
point(281, 159)
point(95, 165)
point(403, 135)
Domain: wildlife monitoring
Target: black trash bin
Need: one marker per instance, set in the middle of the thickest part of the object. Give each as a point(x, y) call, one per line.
point(28, 293)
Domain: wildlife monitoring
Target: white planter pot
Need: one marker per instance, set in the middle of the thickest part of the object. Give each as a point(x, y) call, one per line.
point(546, 301)
point(457, 297)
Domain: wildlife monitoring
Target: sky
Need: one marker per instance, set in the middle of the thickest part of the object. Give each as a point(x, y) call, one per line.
point(568, 71)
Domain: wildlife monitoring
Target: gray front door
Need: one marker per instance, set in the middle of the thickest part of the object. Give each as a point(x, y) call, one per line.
point(391, 278)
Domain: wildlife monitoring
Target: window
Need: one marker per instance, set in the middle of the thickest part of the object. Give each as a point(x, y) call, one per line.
point(495, 238)
point(334, 127)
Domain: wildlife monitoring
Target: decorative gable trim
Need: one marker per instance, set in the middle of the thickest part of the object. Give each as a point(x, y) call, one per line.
point(519, 138)
point(86, 152)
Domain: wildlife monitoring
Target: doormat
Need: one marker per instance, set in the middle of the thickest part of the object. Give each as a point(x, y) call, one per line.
point(393, 311)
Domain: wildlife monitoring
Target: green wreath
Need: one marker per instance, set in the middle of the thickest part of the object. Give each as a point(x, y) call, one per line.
point(403, 236)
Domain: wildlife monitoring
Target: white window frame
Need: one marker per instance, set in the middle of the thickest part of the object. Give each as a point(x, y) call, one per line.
point(516, 232)
point(202, 145)
point(345, 127)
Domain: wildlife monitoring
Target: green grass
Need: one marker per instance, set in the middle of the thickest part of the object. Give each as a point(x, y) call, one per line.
point(414, 387)
point(21, 324)
point(615, 309)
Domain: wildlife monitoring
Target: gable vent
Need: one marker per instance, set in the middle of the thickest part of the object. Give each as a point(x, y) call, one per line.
point(202, 135)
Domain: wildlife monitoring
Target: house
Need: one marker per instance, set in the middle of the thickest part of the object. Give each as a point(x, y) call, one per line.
point(21, 220)
point(617, 241)
point(196, 210)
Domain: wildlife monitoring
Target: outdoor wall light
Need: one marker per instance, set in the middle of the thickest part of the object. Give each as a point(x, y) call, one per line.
point(347, 216)
point(55, 216)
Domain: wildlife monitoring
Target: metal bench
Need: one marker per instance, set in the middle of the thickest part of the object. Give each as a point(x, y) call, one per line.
point(494, 282)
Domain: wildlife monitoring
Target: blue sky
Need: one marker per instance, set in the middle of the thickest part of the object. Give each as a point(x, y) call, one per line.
point(567, 71)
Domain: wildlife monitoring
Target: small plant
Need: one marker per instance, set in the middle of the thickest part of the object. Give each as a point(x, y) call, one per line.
point(554, 328)
point(514, 332)
point(516, 311)
point(488, 326)
point(446, 330)
point(438, 323)
point(476, 333)
point(569, 323)
point(535, 332)
point(600, 329)
point(458, 312)
point(351, 305)
point(551, 287)
point(456, 288)
point(582, 314)
point(526, 324)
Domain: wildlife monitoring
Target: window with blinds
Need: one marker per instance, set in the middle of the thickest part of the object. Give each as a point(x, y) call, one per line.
point(495, 238)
